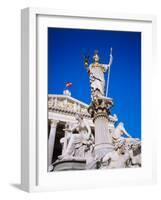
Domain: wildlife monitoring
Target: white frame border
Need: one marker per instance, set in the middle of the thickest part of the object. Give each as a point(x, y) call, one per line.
point(29, 86)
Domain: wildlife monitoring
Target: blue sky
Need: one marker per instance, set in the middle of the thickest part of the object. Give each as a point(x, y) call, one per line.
point(65, 64)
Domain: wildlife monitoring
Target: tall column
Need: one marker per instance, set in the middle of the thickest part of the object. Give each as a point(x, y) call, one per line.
point(51, 141)
point(103, 139)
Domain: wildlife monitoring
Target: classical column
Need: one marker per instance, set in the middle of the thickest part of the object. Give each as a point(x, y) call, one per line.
point(103, 139)
point(51, 141)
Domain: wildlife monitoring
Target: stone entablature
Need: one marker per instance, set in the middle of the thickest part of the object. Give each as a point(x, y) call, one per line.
point(67, 105)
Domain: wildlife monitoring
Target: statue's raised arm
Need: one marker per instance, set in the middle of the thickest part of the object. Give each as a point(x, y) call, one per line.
point(86, 61)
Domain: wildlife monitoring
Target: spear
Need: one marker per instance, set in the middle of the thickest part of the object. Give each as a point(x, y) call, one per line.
point(109, 66)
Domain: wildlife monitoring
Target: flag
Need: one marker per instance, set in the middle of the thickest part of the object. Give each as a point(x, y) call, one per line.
point(68, 84)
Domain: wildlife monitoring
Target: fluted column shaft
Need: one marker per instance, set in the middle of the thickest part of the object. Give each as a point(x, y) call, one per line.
point(103, 140)
point(102, 136)
point(51, 140)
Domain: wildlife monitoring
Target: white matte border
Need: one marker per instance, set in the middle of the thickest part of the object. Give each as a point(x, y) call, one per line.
point(94, 178)
point(39, 179)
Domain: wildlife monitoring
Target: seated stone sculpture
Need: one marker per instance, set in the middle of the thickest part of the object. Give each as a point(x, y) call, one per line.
point(116, 159)
point(65, 140)
point(135, 155)
point(80, 142)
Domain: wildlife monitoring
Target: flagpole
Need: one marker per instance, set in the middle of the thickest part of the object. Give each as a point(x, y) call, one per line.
point(108, 77)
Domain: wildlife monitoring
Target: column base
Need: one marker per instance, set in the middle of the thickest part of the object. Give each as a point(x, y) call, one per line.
point(102, 149)
point(70, 164)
